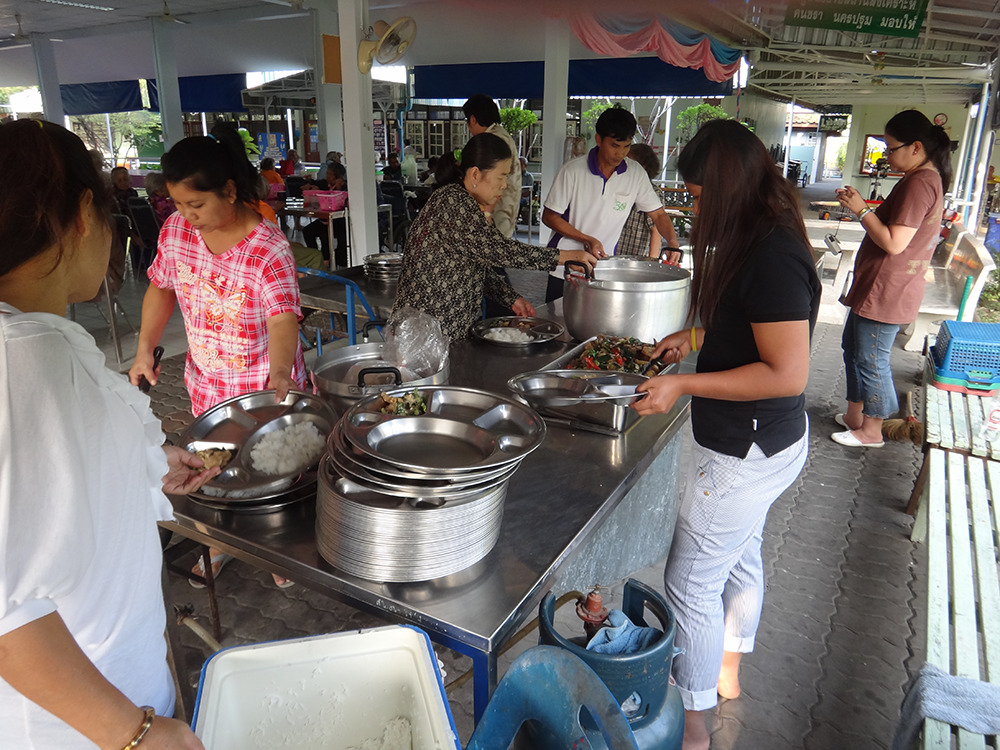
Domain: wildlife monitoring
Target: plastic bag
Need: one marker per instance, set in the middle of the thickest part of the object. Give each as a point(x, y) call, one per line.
point(991, 425)
point(414, 340)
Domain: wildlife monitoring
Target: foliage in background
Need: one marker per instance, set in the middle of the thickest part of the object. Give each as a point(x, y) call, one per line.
point(591, 116)
point(692, 118)
point(131, 132)
point(516, 121)
point(841, 157)
point(6, 91)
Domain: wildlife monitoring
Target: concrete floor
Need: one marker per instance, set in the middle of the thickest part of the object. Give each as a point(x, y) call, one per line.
point(843, 619)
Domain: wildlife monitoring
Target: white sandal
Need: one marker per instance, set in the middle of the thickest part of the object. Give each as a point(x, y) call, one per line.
point(199, 568)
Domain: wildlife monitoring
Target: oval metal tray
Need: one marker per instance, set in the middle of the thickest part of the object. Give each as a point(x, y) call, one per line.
point(464, 430)
point(541, 330)
point(238, 424)
point(572, 387)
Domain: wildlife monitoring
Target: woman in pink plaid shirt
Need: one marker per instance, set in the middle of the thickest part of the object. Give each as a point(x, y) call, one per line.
point(233, 275)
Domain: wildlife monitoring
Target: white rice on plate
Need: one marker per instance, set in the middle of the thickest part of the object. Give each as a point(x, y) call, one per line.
point(289, 449)
point(508, 335)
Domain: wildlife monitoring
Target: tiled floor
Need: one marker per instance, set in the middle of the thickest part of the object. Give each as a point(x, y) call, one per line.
point(842, 625)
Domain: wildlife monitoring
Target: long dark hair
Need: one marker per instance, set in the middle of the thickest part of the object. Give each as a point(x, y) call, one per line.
point(484, 151)
point(744, 198)
point(910, 126)
point(210, 162)
point(49, 171)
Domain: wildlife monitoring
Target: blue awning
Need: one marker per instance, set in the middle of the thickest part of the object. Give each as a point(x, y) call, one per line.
point(628, 76)
point(219, 93)
point(98, 98)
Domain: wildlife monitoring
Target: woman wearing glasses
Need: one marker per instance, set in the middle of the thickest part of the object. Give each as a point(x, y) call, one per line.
point(900, 238)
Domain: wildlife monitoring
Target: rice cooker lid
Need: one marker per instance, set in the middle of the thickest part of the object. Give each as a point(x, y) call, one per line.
point(636, 274)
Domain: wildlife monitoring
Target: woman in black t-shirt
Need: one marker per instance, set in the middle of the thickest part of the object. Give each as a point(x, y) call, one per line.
point(756, 291)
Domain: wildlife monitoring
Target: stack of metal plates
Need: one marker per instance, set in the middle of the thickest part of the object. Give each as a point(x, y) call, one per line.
point(384, 266)
point(411, 497)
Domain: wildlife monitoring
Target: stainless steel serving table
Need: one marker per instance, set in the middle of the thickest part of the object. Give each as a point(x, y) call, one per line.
point(582, 509)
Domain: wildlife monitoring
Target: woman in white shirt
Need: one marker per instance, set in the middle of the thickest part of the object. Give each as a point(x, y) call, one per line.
point(83, 470)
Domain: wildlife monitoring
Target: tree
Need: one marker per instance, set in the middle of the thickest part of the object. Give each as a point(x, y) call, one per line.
point(691, 119)
point(515, 120)
point(591, 116)
point(131, 132)
point(6, 91)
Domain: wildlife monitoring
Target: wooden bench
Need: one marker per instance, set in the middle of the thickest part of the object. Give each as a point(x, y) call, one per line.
point(945, 286)
point(952, 421)
point(958, 514)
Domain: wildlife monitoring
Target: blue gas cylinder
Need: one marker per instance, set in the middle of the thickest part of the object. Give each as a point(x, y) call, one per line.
point(639, 681)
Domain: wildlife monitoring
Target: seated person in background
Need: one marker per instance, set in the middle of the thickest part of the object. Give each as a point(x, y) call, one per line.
point(260, 205)
point(122, 190)
point(392, 169)
point(639, 235)
point(291, 165)
point(158, 196)
point(97, 156)
point(336, 179)
point(268, 173)
point(332, 157)
point(427, 176)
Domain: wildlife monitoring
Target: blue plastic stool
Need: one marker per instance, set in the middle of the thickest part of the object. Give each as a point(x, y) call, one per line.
point(548, 686)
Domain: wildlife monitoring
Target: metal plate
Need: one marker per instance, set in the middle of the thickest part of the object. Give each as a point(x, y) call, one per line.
point(240, 423)
point(300, 491)
point(352, 462)
point(540, 330)
point(571, 387)
point(486, 430)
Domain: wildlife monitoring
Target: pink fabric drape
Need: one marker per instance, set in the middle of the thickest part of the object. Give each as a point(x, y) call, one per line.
point(652, 38)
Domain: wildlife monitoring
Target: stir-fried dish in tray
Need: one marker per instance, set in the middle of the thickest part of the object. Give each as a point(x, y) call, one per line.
point(615, 354)
point(410, 405)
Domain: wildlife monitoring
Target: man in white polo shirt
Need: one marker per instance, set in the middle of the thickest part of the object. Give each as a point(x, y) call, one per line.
point(592, 196)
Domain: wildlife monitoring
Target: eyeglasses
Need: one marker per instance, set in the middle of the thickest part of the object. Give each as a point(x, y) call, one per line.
point(891, 151)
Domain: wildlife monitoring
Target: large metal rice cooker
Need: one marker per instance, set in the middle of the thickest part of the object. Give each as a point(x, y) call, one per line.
point(626, 296)
point(342, 376)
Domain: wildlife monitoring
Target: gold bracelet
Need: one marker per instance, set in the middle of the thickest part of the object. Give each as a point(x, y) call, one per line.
point(694, 339)
point(863, 212)
point(144, 729)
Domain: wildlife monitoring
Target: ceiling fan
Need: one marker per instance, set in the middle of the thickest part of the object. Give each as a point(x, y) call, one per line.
point(168, 16)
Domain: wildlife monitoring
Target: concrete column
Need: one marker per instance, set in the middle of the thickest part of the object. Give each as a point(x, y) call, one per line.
point(167, 85)
point(329, 97)
point(359, 141)
point(557, 36)
point(48, 78)
point(788, 136)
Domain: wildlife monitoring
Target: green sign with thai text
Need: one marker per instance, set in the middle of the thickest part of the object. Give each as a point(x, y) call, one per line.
point(886, 17)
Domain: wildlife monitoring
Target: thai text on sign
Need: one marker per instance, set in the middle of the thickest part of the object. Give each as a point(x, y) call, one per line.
point(885, 17)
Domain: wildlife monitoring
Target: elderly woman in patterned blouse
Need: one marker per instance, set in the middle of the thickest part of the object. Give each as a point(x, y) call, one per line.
point(452, 247)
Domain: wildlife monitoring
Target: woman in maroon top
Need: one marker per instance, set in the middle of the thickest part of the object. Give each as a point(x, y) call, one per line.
point(889, 270)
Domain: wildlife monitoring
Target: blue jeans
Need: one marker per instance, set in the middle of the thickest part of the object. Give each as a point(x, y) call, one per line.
point(867, 348)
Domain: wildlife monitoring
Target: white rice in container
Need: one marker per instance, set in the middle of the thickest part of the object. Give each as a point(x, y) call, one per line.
point(289, 449)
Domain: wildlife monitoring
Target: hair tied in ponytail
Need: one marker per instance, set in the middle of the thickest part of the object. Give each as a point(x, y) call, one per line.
point(458, 157)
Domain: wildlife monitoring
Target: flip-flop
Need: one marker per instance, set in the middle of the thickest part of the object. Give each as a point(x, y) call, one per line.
point(847, 439)
point(286, 585)
point(222, 558)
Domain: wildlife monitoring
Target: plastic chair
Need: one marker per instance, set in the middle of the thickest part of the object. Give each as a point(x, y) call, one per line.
point(106, 300)
point(146, 226)
point(548, 686)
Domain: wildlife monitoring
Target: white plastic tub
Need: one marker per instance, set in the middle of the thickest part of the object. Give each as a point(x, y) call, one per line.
point(327, 692)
